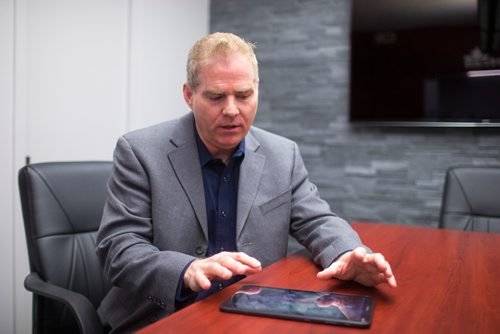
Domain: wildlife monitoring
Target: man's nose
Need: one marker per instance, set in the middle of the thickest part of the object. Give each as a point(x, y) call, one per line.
point(230, 109)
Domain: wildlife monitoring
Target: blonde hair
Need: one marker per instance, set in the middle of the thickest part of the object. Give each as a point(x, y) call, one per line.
point(219, 44)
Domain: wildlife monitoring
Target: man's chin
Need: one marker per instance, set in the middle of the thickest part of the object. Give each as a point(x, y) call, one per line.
point(229, 141)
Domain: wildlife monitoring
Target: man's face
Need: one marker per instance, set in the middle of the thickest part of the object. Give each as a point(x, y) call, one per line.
point(224, 103)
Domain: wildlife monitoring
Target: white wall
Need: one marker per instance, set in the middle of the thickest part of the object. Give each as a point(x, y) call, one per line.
point(162, 36)
point(6, 168)
point(75, 75)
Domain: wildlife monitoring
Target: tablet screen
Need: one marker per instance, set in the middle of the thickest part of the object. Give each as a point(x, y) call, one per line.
point(325, 307)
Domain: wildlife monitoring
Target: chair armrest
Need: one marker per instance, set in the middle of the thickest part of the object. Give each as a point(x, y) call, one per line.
point(84, 312)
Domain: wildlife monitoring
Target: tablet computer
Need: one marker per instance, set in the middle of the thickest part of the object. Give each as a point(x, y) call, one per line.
point(324, 307)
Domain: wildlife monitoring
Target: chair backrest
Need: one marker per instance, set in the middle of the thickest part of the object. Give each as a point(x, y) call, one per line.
point(62, 205)
point(471, 199)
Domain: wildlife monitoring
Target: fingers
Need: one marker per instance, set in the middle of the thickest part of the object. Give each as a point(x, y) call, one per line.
point(221, 266)
point(331, 272)
point(391, 281)
point(251, 264)
point(357, 265)
point(381, 266)
point(345, 266)
point(376, 271)
point(359, 253)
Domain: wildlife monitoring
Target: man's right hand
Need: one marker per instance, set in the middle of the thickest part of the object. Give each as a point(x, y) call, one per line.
point(221, 266)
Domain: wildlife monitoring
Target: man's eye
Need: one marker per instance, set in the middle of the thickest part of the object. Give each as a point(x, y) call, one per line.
point(244, 96)
point(215, 97)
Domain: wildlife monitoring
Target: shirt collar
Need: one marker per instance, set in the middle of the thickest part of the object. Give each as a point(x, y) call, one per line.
point(205, 155)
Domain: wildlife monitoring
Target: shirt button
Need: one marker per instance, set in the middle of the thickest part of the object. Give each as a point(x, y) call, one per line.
point(223, 213)
point(220, 286)
point(225, 178)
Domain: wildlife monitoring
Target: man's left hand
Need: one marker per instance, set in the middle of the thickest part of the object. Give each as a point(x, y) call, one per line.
point(361, 267)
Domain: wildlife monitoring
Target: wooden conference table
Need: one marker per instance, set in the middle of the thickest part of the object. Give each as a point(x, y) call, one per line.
point(448, 282)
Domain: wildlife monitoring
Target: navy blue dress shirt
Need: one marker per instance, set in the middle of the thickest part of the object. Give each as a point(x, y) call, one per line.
point(220, 184)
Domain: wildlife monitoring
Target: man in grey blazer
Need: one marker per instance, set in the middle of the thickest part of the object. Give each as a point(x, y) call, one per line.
point(198, 202)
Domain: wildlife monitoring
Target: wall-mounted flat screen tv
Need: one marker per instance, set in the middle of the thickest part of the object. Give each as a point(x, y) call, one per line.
point(425, 62)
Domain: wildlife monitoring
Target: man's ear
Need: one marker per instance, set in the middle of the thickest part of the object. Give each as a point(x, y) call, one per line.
point(188, 95)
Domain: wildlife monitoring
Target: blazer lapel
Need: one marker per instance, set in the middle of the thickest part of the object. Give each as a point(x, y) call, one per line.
point(251, 170)
point(186, 165)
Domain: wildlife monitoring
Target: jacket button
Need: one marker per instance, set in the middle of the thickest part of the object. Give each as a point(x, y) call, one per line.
point(200, 250)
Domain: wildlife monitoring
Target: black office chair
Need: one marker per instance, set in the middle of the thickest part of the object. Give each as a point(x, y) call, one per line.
point(471, 199)
point(62, 204)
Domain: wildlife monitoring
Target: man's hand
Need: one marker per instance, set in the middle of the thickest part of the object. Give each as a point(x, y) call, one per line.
point(221, 266)
point(357, 265)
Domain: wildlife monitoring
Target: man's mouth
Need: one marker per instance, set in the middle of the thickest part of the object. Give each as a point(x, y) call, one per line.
point(229, 126)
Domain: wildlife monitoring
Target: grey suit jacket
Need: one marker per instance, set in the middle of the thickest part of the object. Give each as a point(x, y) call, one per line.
point(154, 222)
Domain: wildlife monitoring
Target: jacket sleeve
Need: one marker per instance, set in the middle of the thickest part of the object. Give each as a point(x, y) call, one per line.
point(325, 235)
point(125, 245)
